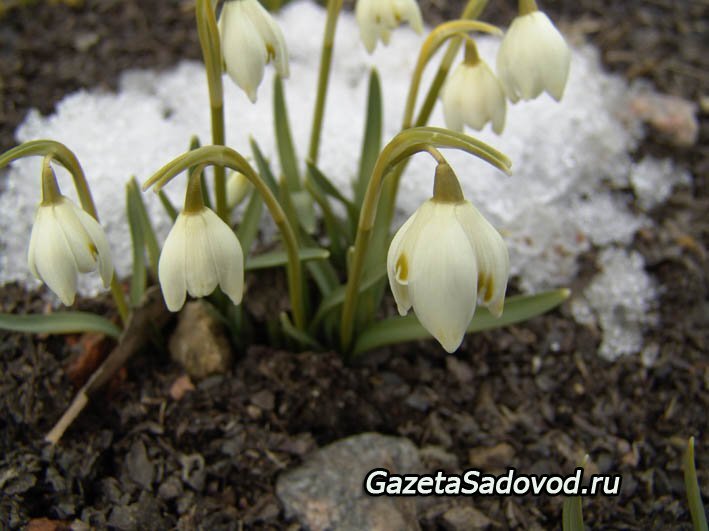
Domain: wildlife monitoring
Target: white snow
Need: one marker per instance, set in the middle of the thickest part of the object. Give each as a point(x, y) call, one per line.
point(569, 190)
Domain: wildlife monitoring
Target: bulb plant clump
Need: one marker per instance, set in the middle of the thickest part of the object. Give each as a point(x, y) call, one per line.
point(447, 263)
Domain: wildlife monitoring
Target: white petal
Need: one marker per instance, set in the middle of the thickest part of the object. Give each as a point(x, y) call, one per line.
point(557, 56)
point(398, 260)
point(491, 256)
point(409, 11)
point(243, 48)
point(227, 256)
point(532, 58)
point(443, 280)
point(271, 35)
point(80, 243)
point(237, 186)
point(366, 16)
point(52, 258)
point(452, 95)
point(200, 271)
point(171, 266)
point(98, 238)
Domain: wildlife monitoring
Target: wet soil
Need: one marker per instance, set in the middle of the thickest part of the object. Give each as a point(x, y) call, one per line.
point(534, 396)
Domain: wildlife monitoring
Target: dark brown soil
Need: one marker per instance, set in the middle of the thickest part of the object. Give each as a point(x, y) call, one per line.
point(537, 395)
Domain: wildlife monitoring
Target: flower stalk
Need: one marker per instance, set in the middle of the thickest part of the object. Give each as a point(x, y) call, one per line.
point(333, 10)
point(211, 53)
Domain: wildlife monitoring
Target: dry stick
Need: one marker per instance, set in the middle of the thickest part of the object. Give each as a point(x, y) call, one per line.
point(150, 315)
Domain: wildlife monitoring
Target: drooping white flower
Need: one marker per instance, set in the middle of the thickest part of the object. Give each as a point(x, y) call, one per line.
point(200, 252)
point(66, 241)
point(377, 18)
point(473, 96)
point(250, 39)
point(532, 58)
point(443, 260)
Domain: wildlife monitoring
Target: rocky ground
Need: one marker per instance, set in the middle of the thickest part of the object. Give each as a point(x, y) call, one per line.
point(157, 451)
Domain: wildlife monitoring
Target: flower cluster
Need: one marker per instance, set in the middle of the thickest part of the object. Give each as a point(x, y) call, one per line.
point(533, 58)
point(443, 262)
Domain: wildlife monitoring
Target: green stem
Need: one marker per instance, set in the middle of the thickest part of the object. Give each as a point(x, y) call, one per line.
point(211, 53)
point(66, 158)
point(333, 10)
point(228, 158)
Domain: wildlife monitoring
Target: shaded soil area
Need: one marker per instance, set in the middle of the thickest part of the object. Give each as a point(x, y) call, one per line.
point(536, 396)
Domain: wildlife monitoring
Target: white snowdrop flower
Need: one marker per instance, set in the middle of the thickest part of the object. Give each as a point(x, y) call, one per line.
point(473, 95)
point(250, 39)
point(200, 252)
point(377, 18)
point(533, 57)
point(237, 186)
point(66, 241)
point(444, 259)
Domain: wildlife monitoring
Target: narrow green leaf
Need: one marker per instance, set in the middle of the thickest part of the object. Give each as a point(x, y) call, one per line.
point(59, 323)
point(304, 210)
point(138, 280)
point(167, 204)
point(572, 514)
point(333, 226)
point(299, 336)
point(691, 485)
point(284, 140)
point(250, 222)
point(326, 185)
point(402, 329)
point(151, 240)
point(280, 258)
point(372, 141)
point(264, 168)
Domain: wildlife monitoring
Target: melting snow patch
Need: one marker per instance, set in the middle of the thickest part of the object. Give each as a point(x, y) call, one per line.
point(570, 161)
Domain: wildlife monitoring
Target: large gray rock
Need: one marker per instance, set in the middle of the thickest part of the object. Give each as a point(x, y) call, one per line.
point(326, 492)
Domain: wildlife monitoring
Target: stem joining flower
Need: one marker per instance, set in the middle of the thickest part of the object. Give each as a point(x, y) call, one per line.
point(377, 18)
point(473, 95)
point(444, 259)
point(65, 241)
point(533, 57)
point(250, 39)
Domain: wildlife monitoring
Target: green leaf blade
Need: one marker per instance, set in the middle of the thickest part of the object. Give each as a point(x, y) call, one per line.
point(402, 329)
point(59, 323)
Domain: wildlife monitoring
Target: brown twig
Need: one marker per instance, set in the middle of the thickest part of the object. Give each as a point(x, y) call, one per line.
point(151, 315)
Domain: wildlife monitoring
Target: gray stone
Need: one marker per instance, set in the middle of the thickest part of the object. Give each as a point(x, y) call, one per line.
point(140, 468)
point(199, 343)
point(326, 492)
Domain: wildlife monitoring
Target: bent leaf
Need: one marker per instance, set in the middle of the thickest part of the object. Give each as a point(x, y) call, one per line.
point(402, 329)
point(59, 323)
